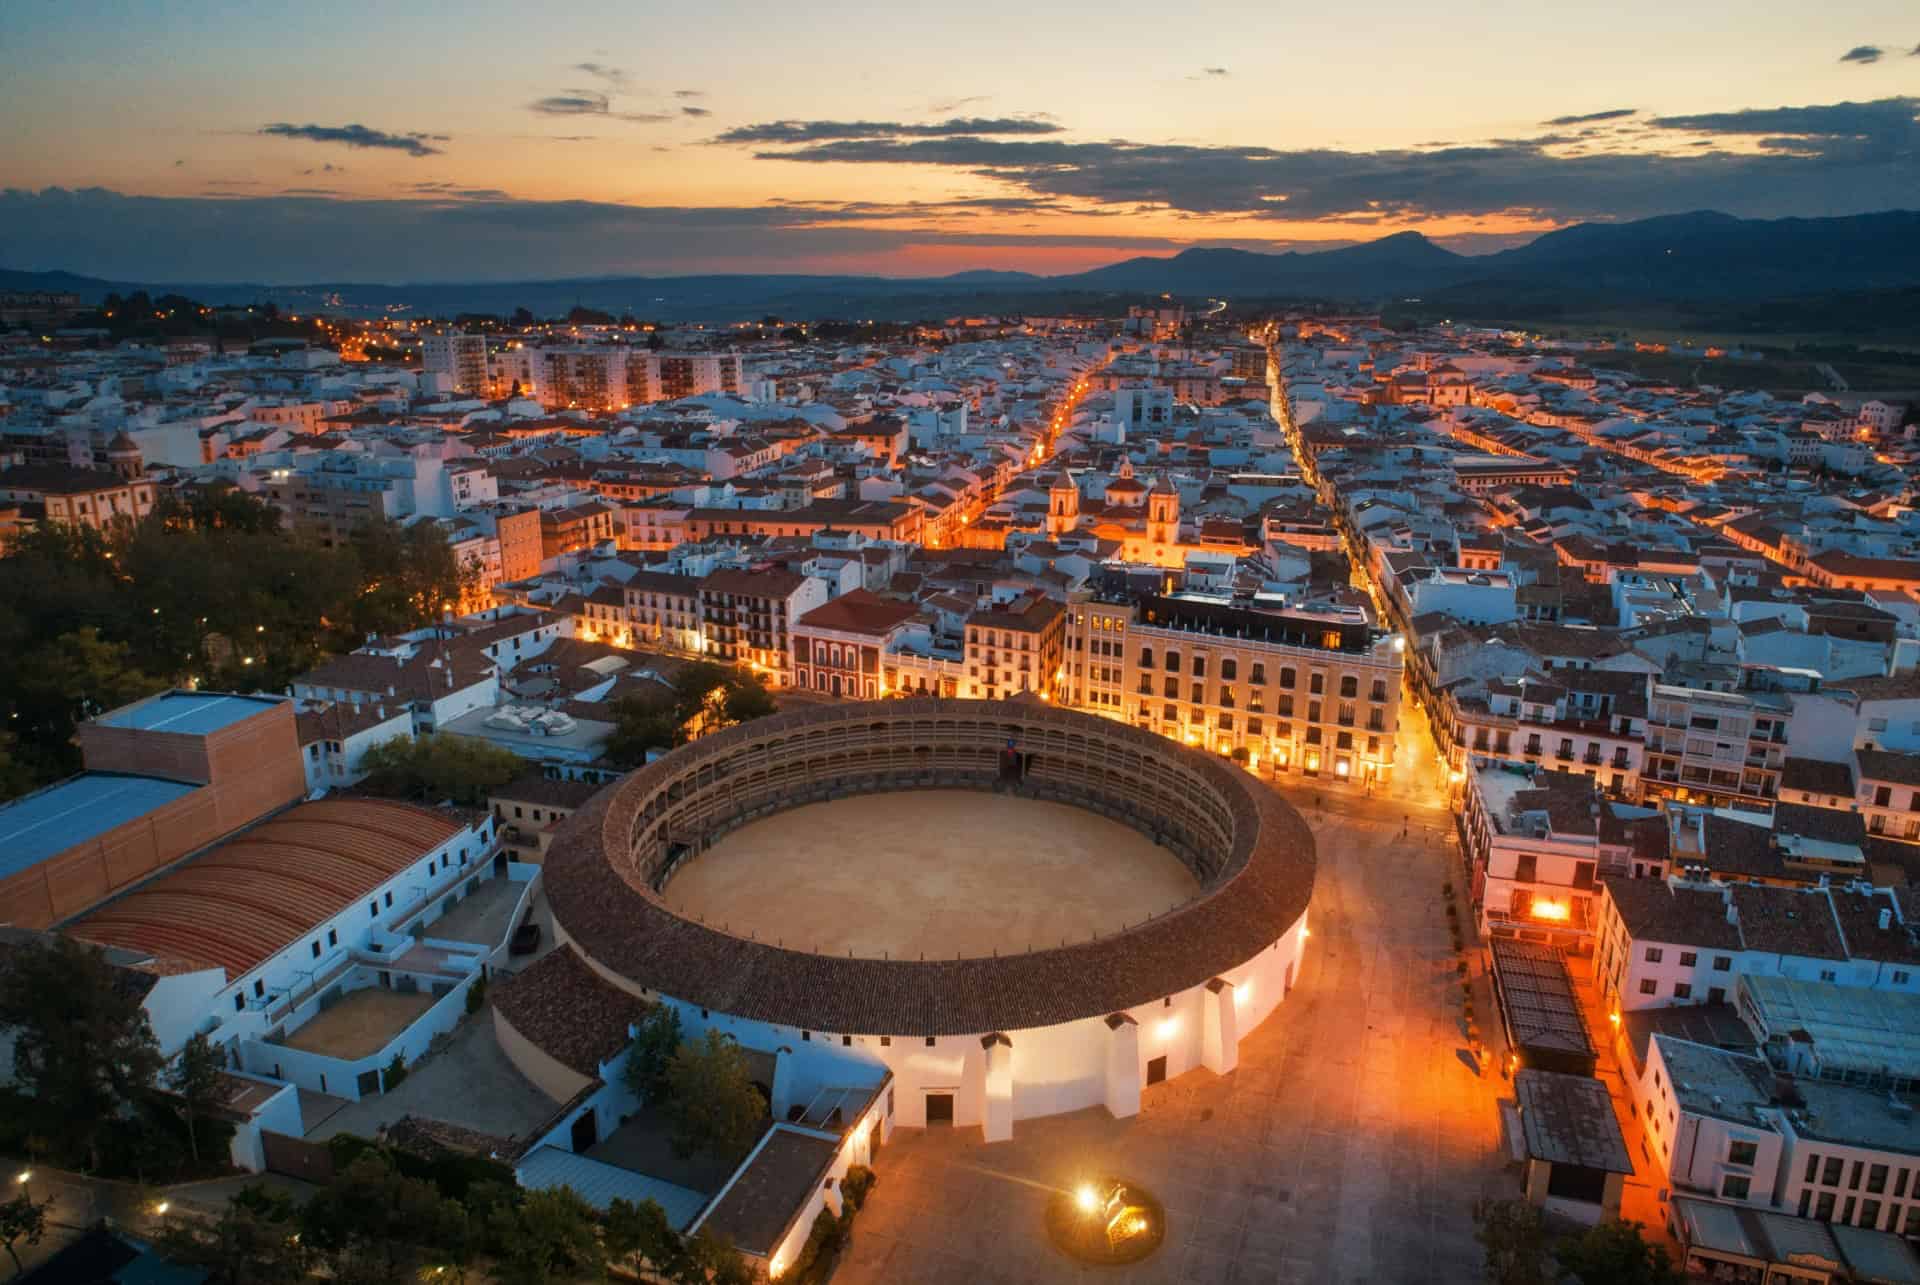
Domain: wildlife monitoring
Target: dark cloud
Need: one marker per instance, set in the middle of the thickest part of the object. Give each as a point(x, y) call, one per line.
point(413, 144)
point(454, 192)
point(589, 102)
point(1863, 54)
point(950, 106)
point(689, 93)
point(695, 111)
point(817, 131)
point(1211, 73)
point(614, 76)
point(1842, 158)
point(1588, 118)
point(328, 168)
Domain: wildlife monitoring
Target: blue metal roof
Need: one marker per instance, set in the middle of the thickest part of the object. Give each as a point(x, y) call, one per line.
point(196, 713)
point(74, 811)
point(597, 1183)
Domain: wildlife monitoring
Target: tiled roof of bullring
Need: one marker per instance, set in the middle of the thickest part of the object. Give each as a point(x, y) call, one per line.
point(568, 1011)
point(1262, 889)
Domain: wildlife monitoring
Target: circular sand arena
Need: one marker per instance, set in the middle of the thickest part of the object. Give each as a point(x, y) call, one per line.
point(943, 873)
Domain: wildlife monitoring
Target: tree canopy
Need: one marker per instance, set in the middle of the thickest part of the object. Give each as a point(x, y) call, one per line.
point(440, 766)
point(82, 1045)
point(712, 1104)
point(207, 591)
point(704, 697)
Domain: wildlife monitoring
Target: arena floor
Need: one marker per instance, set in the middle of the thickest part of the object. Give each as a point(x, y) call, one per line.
point(939, 872)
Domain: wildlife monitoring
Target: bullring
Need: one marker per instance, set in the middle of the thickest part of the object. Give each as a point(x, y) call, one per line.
point(971, 1040)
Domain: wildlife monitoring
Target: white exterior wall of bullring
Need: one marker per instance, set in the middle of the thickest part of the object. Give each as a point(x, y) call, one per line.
point(1054, 1069)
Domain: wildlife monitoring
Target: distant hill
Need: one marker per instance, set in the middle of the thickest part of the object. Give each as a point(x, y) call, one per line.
point(1702, 256)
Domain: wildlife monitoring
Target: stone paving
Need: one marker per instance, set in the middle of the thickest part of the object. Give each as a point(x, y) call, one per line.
point(1348, 1146)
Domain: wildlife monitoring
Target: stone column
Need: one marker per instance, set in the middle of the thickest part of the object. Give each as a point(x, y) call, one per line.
point(1123, 1066)
point(996, 1116)
point(1220, 1028)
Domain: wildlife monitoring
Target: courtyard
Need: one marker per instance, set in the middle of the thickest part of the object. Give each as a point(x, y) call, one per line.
point(1347, 1147)
point(937, 873)
point(362, 1022)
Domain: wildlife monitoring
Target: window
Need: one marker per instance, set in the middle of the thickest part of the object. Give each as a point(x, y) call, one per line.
point(1317, 682)
point(929, 1041)
point(1229, 669)
point(259, 988)
point(333, 937)
point(1379, 690)
point(1199, 666)
point(239, 1002)
point(1683, 990)
point(1830, 1174)
point(1655, 954)
point(1349, 686)
point(1853, 1179)
point(1721, 963)
point(1734, 1187)
point(316, 947)
point(373, 910)
point(1900, 977)
point(1877, 1179)
point(1286, 676)
point(886, 1042)
point(1742, 1153)
point(1716, 995)
point(1813, 1166)
point(1869, 1213)
point(1526, 867)
point(389, 901)
point(1648, 986)
point(1823, 1207)
point(1688, 959)
point(1829, 975)
point(1173, 662)
point(1259, 673)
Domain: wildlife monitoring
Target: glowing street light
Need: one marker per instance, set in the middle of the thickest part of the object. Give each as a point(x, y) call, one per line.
point(1086, 1198)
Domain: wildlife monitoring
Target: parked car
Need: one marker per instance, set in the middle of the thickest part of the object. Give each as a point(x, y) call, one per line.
point(526, 939)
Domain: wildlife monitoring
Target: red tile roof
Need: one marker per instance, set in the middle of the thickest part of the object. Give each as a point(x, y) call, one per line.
point(262, 890)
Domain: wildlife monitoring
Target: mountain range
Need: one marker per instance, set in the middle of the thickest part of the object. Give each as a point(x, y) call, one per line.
point(1702, 256)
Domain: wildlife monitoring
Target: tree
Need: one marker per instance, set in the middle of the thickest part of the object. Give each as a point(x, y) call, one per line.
point(1615, 1253)
point(712, 1103)
point(440, 766)
point(195, 1075)
point(22, 1220)
point(255, 1241)
point(746, 698)
point(1514, 1241)
point(715, 1262)
point(551, 1235)
point(642, 1232)
point(653, 1049)
point(82, 1045)
point(639, 726)
point(375, 1224)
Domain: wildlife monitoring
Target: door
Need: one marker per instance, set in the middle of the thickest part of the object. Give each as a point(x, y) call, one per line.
point(1156, 1069)
point(939, 1109)
point(585, 1132)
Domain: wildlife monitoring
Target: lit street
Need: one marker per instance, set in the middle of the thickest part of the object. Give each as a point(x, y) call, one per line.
point(1348, 1146)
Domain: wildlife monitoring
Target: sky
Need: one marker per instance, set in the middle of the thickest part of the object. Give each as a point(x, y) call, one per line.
point(208, 141)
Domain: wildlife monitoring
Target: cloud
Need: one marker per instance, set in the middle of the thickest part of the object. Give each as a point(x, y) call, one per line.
point(1618, 113)
point(413, 144)
point(613, 76)
point(1838, 158)
point(689, 93)
point(952, 106)
point(816, 131)
point(328, 168)
point(1863, 54)
point(588, 102)
point(1211, 73)
point(695, 111)
point(454, 192)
